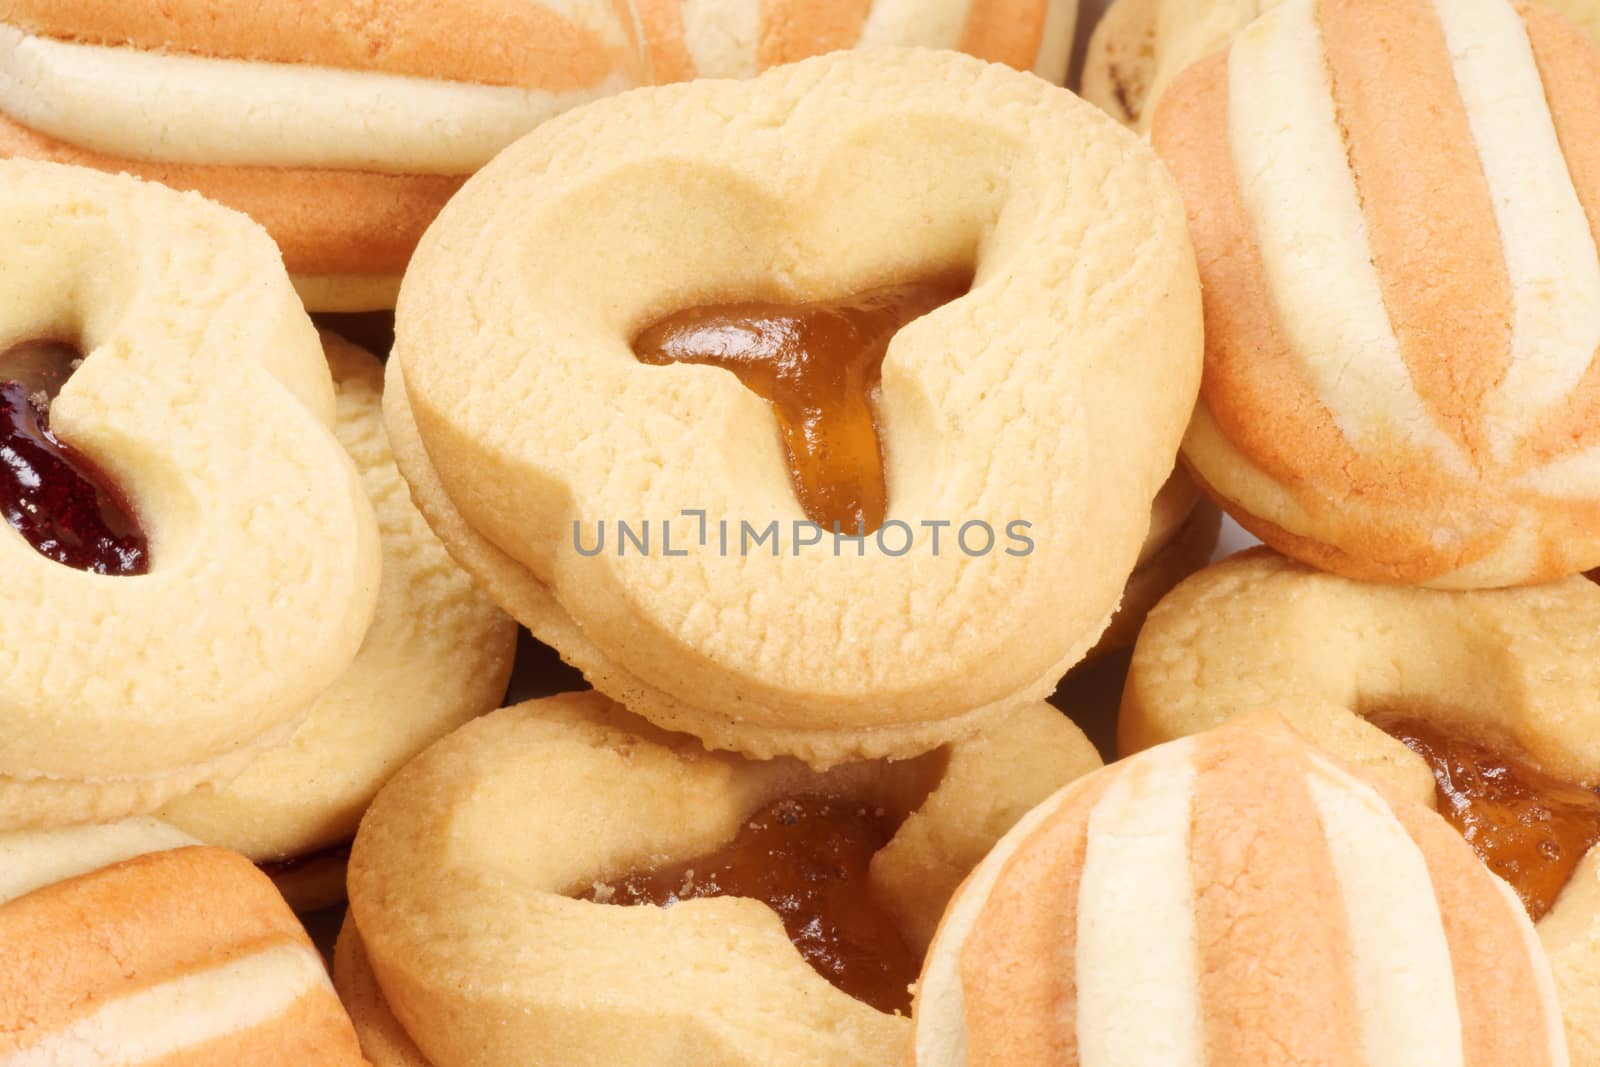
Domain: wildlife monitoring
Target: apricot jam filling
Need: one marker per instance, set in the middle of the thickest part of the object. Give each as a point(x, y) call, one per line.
point(805, 857)
point(1529, 827)
point(56, 498)
point(818, 365)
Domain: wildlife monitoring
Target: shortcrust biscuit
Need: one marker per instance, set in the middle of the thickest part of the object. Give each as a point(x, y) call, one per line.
point(1043, 401)
point(438, 652)
point(197, 422)
point(482, 951)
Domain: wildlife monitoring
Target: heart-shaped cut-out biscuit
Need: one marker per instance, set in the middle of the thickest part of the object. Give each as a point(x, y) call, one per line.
point(205, 400)
point(476, 878)
point(1042, 406)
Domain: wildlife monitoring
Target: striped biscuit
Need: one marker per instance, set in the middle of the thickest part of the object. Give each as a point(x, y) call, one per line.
point(1515, 668)
point(1140, 46)
point(1395, 206)
point(1234, 899)
point(343, 126)
point(172, 955)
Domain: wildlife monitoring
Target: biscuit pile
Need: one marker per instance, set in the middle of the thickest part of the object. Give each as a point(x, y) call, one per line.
point(636, 647)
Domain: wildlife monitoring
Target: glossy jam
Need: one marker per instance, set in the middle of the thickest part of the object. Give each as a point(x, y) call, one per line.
point(60, 502)
point(1529, 827)
point(807, 859)
point(818, 365)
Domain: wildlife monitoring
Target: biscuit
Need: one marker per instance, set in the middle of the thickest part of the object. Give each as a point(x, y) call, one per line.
point(1140, 46)
point(203, 404)
point(130, 943)
point(820, 180)
point(438, 652)
point(1234, 898)
point(344, 126)
point(1489, 680)
point(1395, 208)
point(481, 952)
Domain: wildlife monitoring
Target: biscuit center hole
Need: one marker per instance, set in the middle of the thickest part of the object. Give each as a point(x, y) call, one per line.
point(807, 858)
point(1529, 827)
point(818, 365)
point(55, 497)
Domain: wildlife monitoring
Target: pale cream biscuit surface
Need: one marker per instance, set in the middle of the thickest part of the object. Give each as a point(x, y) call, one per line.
point(1045, 401)
point(1234, 898)
point(131, 943)
point(467, 946)
point(438, 652)
point(1395, 206)
point(1516, 669)
point(204, 397)
point(344, 126)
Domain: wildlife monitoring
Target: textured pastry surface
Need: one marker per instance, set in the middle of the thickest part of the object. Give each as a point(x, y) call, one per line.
point(438, 652)
point(131, 944)
point(205, 398)
point(344, 126)
point(842, 173)
point(1394, 205)
point(1268, 908)
point(481, 954)
point(1258, 631)
point(1140, 46)
point(1517, 669)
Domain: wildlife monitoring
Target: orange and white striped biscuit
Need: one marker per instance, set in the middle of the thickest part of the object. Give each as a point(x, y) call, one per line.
point(1517, 670)
point(343, 126)
point(1140, 46)
point(1234, 899)
point(1395, 206)
point(128, 944)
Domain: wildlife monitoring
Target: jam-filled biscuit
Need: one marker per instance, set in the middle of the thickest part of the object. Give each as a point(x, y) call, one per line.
point(131, 943)
point(438, 652)
point(1229, 899)
point(189, 558)
point(937, 340)
point(797, 902)
point(1482, 703)
point(1395, 206)
point(343, 126)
